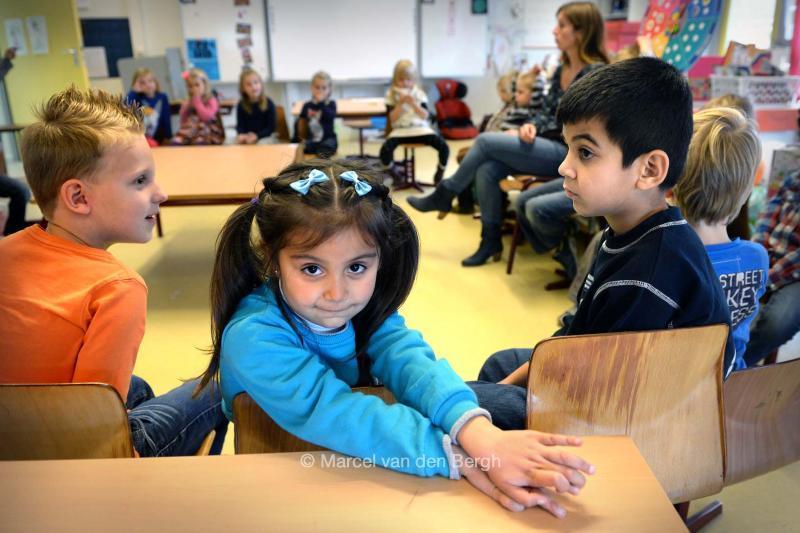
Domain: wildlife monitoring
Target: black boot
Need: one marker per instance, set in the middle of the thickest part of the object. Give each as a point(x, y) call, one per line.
point(491, 246)
point(466, 202)
point(441, 199)
point(437, 177)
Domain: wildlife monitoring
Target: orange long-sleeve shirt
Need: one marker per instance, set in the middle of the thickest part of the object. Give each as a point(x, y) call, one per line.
point(68, 312)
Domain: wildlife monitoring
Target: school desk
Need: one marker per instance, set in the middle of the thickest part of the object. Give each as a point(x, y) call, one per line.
point(353, 107)
point(277, 493)
point(215, 175)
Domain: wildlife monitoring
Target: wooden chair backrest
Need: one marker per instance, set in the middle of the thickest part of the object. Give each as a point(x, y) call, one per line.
point(762, 419)
point(256, 432)
point(661, 388)
point(281, 127)
point(63, 421)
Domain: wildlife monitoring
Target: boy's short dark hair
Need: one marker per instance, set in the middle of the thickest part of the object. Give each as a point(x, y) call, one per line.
point(645, 104)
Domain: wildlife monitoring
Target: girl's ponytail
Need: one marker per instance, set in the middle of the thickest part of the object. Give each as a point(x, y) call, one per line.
point(237, 271)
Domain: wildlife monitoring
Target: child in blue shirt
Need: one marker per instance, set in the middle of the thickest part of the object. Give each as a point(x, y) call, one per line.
point(305, 291)
point(155, 106)
point(723, 157)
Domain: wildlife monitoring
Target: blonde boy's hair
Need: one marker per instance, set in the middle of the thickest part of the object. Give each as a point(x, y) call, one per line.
point(526, 79)
point(742, 103)
point(141, 73)
point(720, 168)
point(200, 74)
point(402, 69)
point(506, 83)
point(73, 131)
point(322, 75)
point(246, 103)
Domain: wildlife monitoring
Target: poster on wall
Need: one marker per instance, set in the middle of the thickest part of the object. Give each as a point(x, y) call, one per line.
point(203, 55)
point(37, 31)
point(15, 36)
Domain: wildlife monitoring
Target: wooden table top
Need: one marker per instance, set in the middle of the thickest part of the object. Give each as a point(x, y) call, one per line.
point(218, 174)
point(353, 107)
point(277, 493)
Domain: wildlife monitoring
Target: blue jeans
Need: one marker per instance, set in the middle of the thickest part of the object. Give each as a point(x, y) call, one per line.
point(496, 155)
point(174, 423)
point(506, 403)
point(543, 214)
point(777, 322)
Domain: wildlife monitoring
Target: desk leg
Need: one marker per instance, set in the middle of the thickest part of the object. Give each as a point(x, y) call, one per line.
point(361, 142)
point(158, 225)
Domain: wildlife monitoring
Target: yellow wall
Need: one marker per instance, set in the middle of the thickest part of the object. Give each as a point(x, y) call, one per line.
point(35, 77)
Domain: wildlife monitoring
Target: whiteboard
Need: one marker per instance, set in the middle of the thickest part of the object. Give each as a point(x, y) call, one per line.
point(350, 39)
point(215, 19)
point(453, 39)
point(540, 19)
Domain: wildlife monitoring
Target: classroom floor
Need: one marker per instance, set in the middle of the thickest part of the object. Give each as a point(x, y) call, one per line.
point(465, 314)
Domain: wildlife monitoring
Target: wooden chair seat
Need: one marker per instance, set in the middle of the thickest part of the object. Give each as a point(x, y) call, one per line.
point(661, 388)
point(256, 432)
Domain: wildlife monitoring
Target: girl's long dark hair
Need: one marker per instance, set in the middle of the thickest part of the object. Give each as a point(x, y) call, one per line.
point(249, 243)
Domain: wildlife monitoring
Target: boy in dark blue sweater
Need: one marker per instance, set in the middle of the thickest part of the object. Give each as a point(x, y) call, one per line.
point(627, 127)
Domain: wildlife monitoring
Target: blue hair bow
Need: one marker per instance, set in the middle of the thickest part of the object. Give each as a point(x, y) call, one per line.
point(303, 185)
point(361, 186)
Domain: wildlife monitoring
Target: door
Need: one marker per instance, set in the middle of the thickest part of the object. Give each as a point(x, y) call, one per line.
point(51, 63)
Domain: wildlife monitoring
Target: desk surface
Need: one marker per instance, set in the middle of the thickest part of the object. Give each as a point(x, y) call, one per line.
point(192, 175)
point(353, 107)
point(276, 493)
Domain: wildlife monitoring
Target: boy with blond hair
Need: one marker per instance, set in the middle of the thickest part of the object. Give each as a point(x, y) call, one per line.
point(627, 127)
point(74, 313)
point(723, 157)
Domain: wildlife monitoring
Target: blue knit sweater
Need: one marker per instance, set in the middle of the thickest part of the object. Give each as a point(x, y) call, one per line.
point(303, 381)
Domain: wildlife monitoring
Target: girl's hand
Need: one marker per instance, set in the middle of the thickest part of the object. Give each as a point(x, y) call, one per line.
point(527, 133)
point(241, 138)
point(252, 138)
point(529, 459)
point(480, 480)
point(519, 460)
point(513, 133)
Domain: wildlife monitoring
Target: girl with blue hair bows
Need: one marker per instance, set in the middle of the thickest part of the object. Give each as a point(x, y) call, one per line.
point(307, 282)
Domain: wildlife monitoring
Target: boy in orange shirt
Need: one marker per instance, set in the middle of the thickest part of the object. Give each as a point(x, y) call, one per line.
point(73, 312)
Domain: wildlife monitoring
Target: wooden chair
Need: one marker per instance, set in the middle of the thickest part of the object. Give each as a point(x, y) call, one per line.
point(281, 128)
point(63, 421)
point(762, 420)
point(520, 182)
point(256, 432)
point(661, 388)
point(762, 427)
point(66, 421)
point(408, 162)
